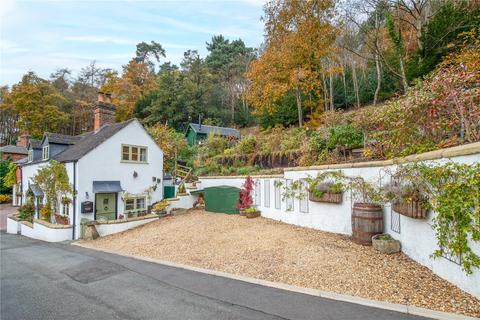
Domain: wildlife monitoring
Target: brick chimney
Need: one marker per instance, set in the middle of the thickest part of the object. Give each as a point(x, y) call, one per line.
point(23, 139)
point(104, 111)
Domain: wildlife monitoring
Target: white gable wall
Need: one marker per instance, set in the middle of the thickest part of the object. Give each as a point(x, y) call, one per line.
point(104, 164)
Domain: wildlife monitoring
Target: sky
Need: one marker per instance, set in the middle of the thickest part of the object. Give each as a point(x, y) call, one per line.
point(42, 36)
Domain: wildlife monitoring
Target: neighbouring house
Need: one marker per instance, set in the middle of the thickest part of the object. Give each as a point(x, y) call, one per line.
point(15, 152)
point(196, 132)
point(115, 170)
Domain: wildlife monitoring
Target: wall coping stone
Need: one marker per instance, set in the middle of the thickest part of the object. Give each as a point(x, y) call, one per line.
point(14, 216)
point(52, 225)
point(27, 223)
point(463, 150)
point(237, 177)
point(117, 221)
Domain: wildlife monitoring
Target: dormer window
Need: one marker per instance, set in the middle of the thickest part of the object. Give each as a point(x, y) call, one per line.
point(30, 155)
point(45, 152)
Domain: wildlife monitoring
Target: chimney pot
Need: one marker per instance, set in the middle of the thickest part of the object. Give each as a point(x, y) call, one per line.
point(100, 97)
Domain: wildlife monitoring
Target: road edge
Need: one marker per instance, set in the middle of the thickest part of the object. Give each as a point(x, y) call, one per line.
point(403, 308)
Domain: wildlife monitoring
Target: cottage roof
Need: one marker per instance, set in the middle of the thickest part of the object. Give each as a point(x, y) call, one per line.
point(222, 131)
point(61, 138)
point(90, 141)
point(13, 149)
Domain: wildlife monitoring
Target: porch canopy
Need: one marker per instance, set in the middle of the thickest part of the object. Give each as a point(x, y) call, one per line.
point(37, 192)
point(106, 187)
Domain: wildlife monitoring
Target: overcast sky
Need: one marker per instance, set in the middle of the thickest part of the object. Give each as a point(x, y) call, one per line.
point(43, 36)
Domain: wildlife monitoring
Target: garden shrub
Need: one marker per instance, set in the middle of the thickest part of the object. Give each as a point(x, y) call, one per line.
point(345, 136)
point(5, 198)
point(247, 145)
point(26, 211)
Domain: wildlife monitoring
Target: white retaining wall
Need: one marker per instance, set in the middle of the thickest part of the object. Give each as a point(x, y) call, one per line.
point(111, 228)
point(13, 226)
point(417, 236)
point(44, 233)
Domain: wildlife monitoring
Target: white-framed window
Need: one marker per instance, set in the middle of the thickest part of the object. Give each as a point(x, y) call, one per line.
point(134, 153)
point(258, 193)
point(66, 208)
point(304, 199)
point(45, 152)
point(289, 203)
point(135, 204)
point(278, 194)
point(266, 187)
point(30, 155)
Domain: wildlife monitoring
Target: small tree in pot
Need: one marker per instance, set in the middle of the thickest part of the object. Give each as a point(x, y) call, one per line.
point(245, 200)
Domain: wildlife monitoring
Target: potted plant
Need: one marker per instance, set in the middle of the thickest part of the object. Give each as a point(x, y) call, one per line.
point(326, 187)
point(245, 197)
point(331, 192)
point(384, 243)
point(181, 190)
point(406, 194)
point(61, 219)
point(367, 210)
point(252, 212)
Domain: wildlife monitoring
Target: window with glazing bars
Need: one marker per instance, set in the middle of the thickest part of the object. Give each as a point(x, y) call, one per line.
point(258, 193)
point(266, 192)
point(277, 193)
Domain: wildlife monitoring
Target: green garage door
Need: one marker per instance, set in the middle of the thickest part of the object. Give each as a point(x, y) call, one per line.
point(222, 199)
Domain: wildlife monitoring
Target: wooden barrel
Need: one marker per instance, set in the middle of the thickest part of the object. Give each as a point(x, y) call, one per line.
point(367, 221)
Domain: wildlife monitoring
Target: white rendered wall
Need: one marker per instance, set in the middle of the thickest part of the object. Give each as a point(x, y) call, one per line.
point(104, 164)
point(13, 226)
point(416, 236)
point(111, 228)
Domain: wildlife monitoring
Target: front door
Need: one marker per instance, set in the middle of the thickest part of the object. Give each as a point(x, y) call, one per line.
point(105, 206)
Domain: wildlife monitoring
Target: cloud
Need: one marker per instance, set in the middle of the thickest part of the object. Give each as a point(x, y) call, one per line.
point(7, 46)
point(100, 39)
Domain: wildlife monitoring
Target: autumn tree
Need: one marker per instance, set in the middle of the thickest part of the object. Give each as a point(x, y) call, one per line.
point(37, 104)
point(299, 38)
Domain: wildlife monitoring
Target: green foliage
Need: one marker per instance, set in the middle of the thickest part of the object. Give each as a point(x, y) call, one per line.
point(453, 190)
point(247, 145)
point(251, 210)
point(5, 188)
point(345, 136)
point(26, 211)
point(10, 178)
point(53, 180)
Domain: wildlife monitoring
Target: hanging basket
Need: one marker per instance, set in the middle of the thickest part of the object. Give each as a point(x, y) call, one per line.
point(328, 197)
point(413, 209)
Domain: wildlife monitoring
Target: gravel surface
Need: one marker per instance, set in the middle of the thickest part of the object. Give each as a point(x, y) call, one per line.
point(275, 251)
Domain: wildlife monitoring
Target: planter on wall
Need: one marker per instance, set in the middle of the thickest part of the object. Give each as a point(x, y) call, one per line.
point(412, 209)
point(328, 197)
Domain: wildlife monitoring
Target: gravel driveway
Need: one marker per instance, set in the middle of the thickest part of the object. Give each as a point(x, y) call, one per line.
point(280, 252)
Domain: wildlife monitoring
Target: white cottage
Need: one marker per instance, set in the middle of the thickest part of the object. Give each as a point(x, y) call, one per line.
point(115, 170)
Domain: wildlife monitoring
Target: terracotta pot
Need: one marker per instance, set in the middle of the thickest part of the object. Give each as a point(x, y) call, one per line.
point(387, 246)
point(251, 215)
point(328, 197)
point(412, 209)
point(61, 220)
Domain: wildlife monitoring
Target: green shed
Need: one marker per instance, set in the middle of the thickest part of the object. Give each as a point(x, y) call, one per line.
point(197, 132)
point(222, 199)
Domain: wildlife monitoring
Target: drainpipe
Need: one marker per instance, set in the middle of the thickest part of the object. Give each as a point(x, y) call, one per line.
point(21, 186)
point(74, 201)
